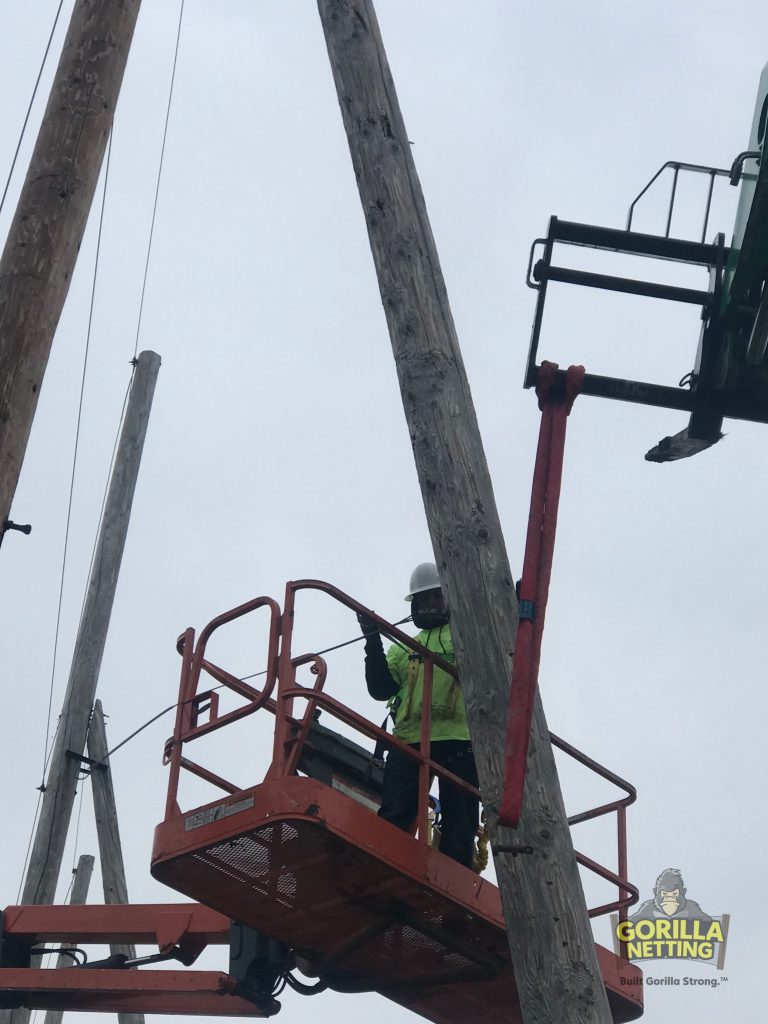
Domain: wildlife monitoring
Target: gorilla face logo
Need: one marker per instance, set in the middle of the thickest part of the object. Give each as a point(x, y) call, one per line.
point(668, 900)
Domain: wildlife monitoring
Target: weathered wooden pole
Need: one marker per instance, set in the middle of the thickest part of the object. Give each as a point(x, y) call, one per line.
point(105, 810)
point(78, 898)
point(59, 795)
point(550, 938)
point(69, 746)
point(42, 245)
point(108, 833)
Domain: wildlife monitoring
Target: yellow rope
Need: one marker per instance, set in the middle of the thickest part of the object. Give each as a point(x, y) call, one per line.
point(480, 853)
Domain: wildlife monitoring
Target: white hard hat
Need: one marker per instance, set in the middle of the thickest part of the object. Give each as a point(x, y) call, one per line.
point(424, 577)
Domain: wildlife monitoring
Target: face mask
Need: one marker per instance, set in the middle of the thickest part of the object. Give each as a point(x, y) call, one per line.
point(429, 611)
point(430, 620)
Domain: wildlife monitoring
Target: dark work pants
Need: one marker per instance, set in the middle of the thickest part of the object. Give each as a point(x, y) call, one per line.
point(460, 811)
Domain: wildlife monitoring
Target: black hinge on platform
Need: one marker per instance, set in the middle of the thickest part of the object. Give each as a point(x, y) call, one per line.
point(257, 962)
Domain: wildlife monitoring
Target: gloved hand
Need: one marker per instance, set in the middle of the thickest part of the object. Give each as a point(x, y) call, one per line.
point(368, 626)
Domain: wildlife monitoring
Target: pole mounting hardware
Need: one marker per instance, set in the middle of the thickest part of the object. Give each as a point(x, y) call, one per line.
point(9, 525)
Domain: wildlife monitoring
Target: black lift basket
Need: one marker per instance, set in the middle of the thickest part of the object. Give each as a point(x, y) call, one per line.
point(727, 379)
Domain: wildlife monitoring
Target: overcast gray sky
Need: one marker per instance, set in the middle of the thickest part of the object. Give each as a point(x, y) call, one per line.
point(278, 449)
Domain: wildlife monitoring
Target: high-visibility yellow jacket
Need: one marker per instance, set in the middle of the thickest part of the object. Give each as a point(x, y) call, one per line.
point(449, 716)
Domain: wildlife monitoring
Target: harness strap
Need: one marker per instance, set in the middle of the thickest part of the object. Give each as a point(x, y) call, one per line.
point(410, 682)
point(537, 570)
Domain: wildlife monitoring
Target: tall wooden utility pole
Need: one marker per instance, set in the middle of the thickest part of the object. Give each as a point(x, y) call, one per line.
point(69, 746)
point(42, 245)
point(108, 833)
point(78, 898)
point(59, 796)
point(550, 938)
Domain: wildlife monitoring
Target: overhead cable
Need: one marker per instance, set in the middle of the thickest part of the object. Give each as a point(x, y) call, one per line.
point(31, 102)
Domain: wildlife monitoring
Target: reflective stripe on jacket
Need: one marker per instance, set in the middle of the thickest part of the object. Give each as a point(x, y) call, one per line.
point(449, 716)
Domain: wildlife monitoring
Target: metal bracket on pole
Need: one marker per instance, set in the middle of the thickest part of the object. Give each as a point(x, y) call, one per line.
point(8, 525)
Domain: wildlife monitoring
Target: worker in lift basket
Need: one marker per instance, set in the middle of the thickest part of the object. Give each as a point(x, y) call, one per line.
point(398, 678)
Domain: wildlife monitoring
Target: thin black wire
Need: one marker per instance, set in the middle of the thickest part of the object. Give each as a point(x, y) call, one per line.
point(159, 175)
point(29, 108)
point(74, 462)
point(49, 741)
point(29, 845)
point(106, 491)
point(70, 951)
point(42, 787)
point(40, 791)
point(141, 306)
point(82, 610)
point(305, 990)
point(279, 986)
point(172, 707)
point(70, 887)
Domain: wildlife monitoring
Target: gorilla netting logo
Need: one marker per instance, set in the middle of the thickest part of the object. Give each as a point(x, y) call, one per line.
point(671, 927)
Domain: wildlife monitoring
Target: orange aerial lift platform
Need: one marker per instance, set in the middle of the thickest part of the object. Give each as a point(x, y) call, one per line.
point(299, 871)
